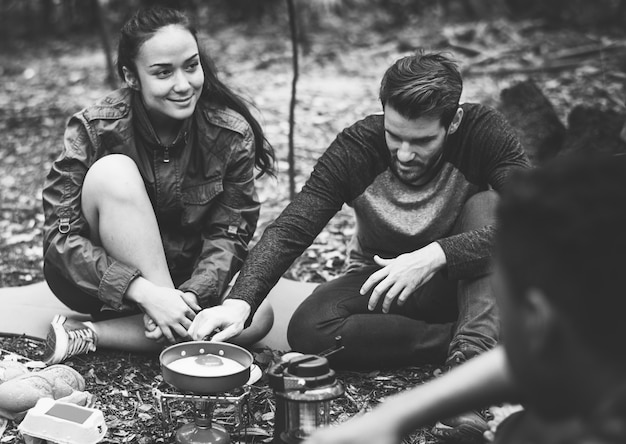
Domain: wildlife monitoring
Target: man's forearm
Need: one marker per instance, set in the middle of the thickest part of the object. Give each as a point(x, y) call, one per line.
point(282, 242)
point(468, 254)
point(437, 254)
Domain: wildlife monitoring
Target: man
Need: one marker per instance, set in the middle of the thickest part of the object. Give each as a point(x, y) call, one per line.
point(423, 181)
point(560, 280)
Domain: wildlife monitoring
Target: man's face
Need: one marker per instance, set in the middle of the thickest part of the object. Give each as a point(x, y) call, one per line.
point(415, 145)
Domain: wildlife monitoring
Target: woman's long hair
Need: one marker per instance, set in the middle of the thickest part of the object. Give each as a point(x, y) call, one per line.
point(143, 24)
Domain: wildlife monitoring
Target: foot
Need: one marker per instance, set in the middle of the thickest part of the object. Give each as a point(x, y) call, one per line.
point(467, 428)
point(67, 338)
point(499, 414)
point(454, 360)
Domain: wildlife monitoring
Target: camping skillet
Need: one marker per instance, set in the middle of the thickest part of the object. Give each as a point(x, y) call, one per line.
point(204, 385)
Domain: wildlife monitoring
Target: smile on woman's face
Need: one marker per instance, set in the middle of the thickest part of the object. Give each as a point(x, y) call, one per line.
point(170, 75)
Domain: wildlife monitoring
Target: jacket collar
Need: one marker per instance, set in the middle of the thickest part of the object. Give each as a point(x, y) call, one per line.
point(146, 131)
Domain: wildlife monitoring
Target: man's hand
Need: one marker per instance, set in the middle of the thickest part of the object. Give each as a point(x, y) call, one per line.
point(229, 318)
point(401, 276)
point(365, 429)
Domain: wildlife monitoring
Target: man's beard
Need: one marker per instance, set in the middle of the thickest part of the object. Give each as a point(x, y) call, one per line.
point(417, 173)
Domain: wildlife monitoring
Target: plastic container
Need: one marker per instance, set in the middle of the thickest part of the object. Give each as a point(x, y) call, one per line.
point(63, 423)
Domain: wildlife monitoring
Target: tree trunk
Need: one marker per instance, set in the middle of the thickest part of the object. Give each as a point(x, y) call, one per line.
point(592, 130)
point(105, 38)
point(292, 106)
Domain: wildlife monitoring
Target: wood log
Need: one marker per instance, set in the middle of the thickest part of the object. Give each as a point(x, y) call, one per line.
point(592, 130)
point(573, 12)
point(534, 119)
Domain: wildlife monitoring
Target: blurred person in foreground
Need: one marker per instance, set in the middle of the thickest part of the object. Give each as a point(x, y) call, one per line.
point(561, 250)
point(423, 179)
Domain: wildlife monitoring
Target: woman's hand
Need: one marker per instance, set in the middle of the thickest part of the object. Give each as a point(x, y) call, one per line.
point(229, 318)
point(168, 308)
point(169, 311)
point(192, 301)
point(401, 276)
point(151, 330)
point(154, 332)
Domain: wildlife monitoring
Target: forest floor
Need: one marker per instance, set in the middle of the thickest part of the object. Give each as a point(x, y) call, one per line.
point(43, 83)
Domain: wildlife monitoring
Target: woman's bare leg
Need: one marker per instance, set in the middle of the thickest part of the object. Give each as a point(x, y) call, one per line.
point(122, 220)
point(262, 322)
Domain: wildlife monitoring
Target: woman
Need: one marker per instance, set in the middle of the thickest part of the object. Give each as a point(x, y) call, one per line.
point(151, 204)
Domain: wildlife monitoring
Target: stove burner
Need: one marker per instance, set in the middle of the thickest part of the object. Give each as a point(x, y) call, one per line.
point(208, 427)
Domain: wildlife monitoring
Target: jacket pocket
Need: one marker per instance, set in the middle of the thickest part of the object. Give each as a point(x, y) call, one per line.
point(197, 200)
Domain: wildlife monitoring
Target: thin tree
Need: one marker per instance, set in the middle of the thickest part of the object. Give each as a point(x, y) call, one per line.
point(292, 106)
point(105, 38)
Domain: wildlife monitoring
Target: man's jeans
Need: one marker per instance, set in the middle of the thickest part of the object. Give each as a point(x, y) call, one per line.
point(440, 318)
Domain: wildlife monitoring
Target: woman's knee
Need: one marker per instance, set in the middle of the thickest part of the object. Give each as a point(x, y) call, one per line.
point(261, 324)
point(115, 176)
point(112, 184)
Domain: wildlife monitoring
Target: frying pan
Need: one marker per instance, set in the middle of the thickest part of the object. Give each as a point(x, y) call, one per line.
point(205, 385)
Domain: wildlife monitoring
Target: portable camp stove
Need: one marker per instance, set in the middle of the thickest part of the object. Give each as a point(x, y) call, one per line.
point(208, 426)
point(229, 392)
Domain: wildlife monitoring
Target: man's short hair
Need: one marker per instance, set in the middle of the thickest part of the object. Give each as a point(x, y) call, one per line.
point(423, 85)
point(562, 229)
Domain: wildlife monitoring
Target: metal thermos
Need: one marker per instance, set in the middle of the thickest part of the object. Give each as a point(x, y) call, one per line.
point(303, 388)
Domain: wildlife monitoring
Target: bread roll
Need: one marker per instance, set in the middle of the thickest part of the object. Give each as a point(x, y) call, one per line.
point(22, 393)
point(62, 373)
point(11, 369)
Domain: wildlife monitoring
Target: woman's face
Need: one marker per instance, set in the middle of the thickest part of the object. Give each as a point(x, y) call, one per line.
point(169, 74)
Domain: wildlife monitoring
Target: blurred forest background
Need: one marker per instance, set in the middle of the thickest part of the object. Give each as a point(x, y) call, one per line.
point(555, 68)
point(56, 57)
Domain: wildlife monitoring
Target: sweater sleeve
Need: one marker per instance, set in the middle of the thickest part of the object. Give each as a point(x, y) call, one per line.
point(345, 169)
point(491, 152)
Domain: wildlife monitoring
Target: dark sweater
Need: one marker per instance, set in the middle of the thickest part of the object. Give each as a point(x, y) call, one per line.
point(391, 217)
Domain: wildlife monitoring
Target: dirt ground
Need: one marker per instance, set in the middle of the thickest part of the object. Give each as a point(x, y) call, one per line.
point(44, 82)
